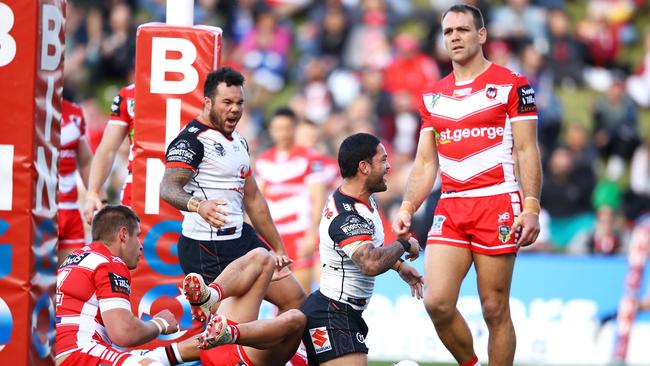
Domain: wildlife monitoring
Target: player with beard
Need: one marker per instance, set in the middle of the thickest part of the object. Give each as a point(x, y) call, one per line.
point(208, 177)
point(352, 253)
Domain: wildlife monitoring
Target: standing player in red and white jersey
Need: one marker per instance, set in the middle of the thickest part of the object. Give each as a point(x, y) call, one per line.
point(472, 121)
point(120, 125)
point(75, 154)
point(291, 179)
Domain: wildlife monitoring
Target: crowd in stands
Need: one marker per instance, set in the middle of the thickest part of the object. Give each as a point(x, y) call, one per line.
point(349, 66)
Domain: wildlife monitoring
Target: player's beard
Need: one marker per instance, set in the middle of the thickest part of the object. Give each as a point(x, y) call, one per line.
point(218, 123)
point(377, 185)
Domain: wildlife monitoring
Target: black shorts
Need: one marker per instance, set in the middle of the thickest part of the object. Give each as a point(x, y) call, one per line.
point(209, 258)
point(333, 329)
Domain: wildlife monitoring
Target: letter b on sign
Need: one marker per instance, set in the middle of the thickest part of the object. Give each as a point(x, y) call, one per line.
point(161, 64)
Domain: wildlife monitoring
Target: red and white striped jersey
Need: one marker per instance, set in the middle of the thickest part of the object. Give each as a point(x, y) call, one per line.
point(472, 125)
point(123, 113)
point(285, 177)
point(89, 282)
point(73, 128)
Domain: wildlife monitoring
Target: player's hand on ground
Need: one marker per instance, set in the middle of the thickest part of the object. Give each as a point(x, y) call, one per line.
point(414, 252)
point(413, 278)
point(402, 223)
point(214, 212)
point(528, 224)
point(167, 321)
point(93, 203)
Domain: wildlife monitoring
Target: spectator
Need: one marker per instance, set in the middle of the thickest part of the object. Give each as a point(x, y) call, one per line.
point(567, 199)
point(411, 70)
point(616, 122)
point(565, 55)
point(638, 85)
point(519, 22)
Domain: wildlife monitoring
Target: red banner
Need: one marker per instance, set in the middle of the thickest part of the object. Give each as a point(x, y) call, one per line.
point(171, 66)
point(31, 68)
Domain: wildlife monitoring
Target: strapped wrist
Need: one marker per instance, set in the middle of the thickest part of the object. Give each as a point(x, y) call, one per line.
point(405, 244)
point(531, 205)
point(193, 204)
point(399, 264)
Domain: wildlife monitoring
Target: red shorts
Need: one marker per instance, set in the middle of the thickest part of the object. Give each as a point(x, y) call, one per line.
point(226, 355)
point(234, 355)
point(292, 242)
point(481, 224)
point(71, 230)
point(97, 354)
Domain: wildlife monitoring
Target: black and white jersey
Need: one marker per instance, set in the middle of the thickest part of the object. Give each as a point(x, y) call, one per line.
point(347, 221)
point(221, 166)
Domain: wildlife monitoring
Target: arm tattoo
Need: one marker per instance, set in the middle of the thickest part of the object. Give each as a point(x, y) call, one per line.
point(171, 187)
point(374, 261)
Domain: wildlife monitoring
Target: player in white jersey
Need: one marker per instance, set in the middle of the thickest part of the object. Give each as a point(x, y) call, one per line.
point(75, 157)
point(473, 121)
point(208, 177)
point(352, 253)
point(293, 181)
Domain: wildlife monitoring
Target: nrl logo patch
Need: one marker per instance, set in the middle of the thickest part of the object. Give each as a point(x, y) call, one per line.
point(504, 233)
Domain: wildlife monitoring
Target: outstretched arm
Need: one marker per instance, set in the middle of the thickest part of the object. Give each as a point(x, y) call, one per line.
point(373, 261)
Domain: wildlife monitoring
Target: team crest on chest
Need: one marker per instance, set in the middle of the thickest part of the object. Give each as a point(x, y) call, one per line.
point(221, 151)
point(491, 92)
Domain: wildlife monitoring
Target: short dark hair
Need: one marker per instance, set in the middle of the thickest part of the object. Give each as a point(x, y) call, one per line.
point(285, 112)
point(465, 8)
point(108, 221)
point(226, 75)
point(353, 150)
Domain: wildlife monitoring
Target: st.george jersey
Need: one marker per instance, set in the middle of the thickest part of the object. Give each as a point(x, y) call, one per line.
point(73, 129)
point(123, 114)
point(221, 166)
point(472, 125)
point(285, 177)
point(347, 220)
point(89, 282)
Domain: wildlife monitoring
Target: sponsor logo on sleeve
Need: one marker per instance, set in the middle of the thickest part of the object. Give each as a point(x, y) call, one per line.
point(74, 259)
point(181, 151)
point(526, 99)
point(130, 107)
point(320, 339)
point(355, 225)
point(119, 284)
point(115, 107)
point(436, 226)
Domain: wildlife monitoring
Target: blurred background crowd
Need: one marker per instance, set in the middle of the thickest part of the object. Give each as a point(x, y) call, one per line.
point(347, 66)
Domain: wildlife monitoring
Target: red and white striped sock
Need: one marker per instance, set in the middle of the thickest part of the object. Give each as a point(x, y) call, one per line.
point(216, 293)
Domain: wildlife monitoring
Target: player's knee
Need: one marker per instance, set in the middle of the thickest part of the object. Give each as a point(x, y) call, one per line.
point(495, 310)
point(295, 321)
point(261, 257)
point(439, 309)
